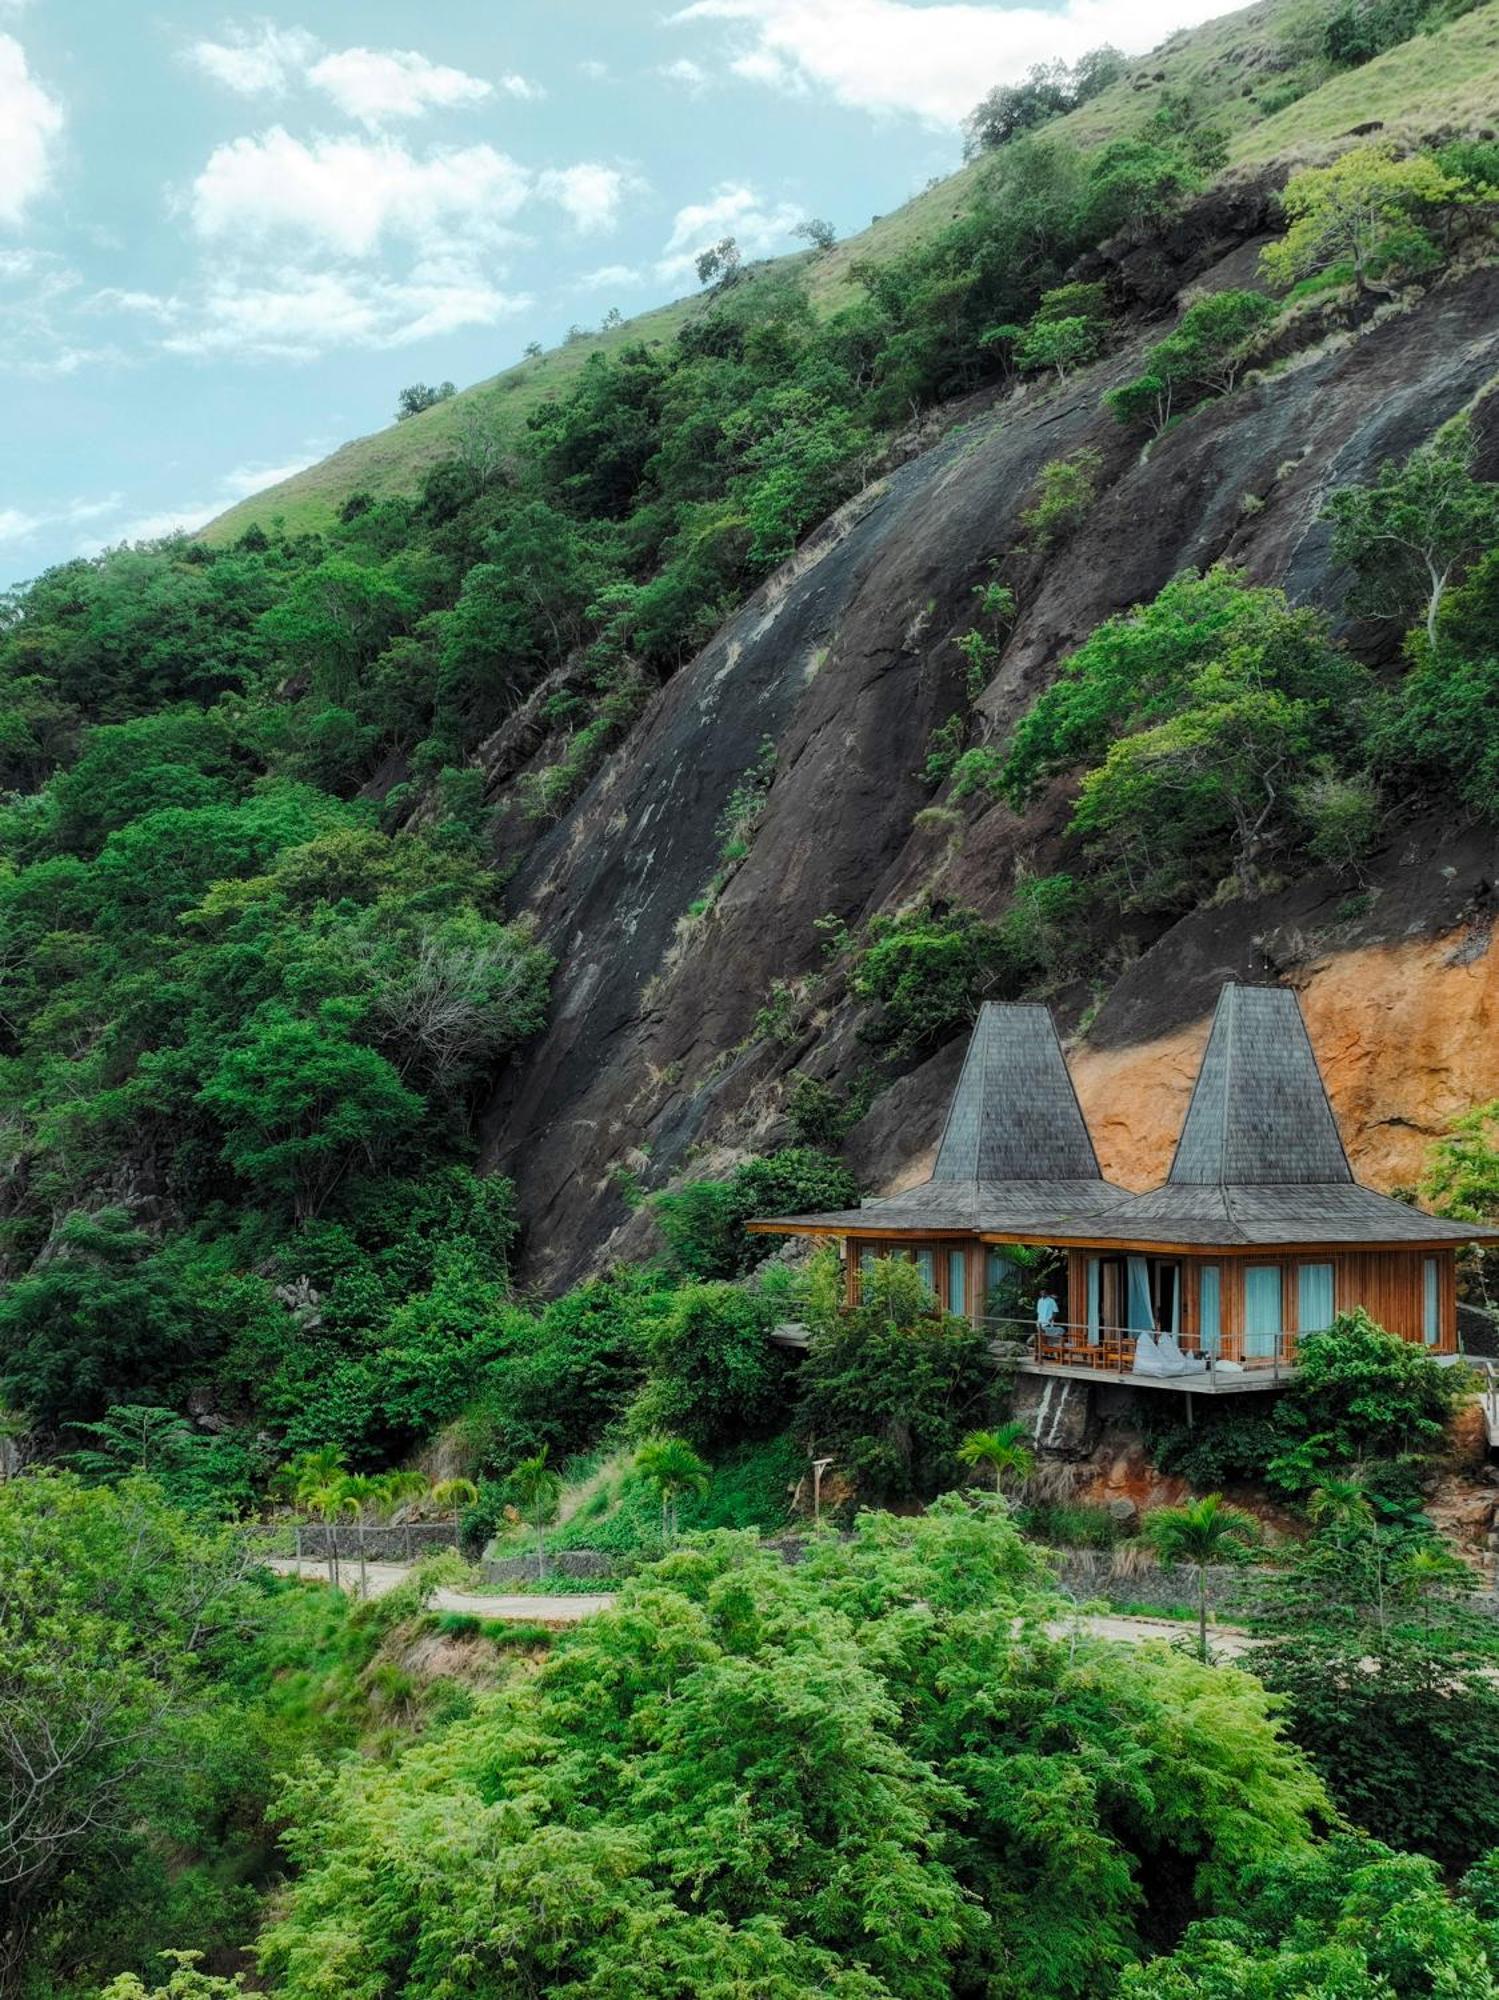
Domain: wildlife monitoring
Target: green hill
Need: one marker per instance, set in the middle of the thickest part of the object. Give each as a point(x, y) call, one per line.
point(1257, 73)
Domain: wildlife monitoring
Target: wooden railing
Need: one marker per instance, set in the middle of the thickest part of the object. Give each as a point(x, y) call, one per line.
point(1112, 1350)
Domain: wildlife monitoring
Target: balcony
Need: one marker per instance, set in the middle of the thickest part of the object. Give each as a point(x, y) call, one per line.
point(1115, 1353)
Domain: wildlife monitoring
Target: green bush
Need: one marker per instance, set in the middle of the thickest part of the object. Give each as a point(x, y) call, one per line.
point(892, 1387)
point(714, 1376)
point(1065, 490)
point(1360, 1392)
point(704, 1221)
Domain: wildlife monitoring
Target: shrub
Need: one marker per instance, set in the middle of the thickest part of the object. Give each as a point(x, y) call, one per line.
point(1207, 351)
point(703, 1221)
point(1065, 490)
point(714, 1376)
point(1361, 1392)
point(892, 1387)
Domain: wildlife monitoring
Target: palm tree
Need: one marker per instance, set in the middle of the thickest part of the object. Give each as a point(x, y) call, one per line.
point(673, 1468)
point(455, 1494)
point(535, 1489)
point(326, 1504)
point(1006, 1452)
point(1339, 1503)
point(1203, 1532)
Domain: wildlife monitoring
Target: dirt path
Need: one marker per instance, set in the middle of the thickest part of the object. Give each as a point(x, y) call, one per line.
point(1226, 1640)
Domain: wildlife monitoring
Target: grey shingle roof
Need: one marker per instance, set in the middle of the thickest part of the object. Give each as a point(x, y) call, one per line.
point(1014, 1115)
point(1259, 1161)
point(1259, 1113)
point(1015, 1151)
point(1283, 1213)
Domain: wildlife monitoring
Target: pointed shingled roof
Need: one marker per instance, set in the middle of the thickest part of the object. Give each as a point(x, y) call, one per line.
point(1259, 1115)
point(1014, 1115)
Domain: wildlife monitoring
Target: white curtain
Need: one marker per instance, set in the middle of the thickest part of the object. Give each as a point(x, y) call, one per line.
point(1262, 1310)
point(1209, 1307)
point(1139, 1318)
point(1095, 1305)
point(1313, 1297)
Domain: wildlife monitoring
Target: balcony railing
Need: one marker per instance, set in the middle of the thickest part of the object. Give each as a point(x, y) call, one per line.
point(1116, 1351)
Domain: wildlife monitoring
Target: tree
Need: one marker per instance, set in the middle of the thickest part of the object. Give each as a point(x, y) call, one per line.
point(719, 264)
point(819, 233)
point(1410, 532)
point(112, 1607)
point(673, 1468)
point(1198, 1535)
point(874, 1775)
point(1366, 208)
point(890, 1387)
point(1361, 1393)
point(421, 396)
point(1207, 349)
point(296, 1099)
point(1201, 715)
point(1006, 1452)
point(716, 1378)
point(704, 1221)
point(535, 1488)
point(1346, 1917)
point(1388, 1677)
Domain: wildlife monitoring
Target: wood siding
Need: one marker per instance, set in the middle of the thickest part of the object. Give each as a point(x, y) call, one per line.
point(1390, 1285)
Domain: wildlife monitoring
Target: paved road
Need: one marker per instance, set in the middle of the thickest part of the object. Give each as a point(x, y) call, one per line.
point(382, 1577)
point(1226, 1640)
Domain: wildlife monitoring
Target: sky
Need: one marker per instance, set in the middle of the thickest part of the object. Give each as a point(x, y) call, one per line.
point(227, 241)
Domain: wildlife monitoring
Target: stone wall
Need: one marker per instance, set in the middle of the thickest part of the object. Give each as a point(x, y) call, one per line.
point(403, 1541)
point(590, 1565)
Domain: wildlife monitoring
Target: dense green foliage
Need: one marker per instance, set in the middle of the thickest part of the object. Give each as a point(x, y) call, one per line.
point(151, 1690)
point(1389, 1679)
point(1362, 1401)
point(1348, 1919)
point(872, 1774)
point(703, 1221)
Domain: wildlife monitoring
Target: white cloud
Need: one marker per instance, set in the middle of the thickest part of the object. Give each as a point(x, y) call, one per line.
point(376, 85)
point(731, 210)
point(588, 194)
point(351, 196)
point(930, 62)
point(691, 75)
point(595, 70)
point(296, 315)
point(256, 62)
point(18, 526)
point(30, 121)
point(183, 517)
point(610, 277)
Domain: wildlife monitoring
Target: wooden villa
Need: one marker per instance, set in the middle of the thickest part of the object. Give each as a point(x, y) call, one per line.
point(1259, 1235)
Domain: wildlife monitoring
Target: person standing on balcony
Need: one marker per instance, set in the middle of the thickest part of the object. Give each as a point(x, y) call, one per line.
point(1047, 1310)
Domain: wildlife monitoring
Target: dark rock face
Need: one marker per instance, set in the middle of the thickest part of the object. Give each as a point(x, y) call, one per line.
point(846, 661)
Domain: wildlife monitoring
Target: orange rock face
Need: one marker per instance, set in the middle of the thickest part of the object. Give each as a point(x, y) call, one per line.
point(1407, 1037)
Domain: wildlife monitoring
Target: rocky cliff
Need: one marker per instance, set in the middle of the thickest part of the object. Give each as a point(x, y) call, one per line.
point(845, 662)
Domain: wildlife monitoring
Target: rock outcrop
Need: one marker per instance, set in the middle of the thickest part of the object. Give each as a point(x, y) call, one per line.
point(845, 662)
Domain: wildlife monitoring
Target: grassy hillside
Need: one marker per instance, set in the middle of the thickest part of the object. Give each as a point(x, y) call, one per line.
point(1256, 73)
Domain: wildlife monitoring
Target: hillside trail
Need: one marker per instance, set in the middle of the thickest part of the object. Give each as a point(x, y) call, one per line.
point(538, 1608)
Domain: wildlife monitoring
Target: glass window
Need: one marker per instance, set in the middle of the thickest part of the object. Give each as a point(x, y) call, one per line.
point(1262, 1311)
point(957, 1281)
point(1095, 1300)
point(1209, 1307)
point(926, 1264)
point(1431, 1302)
point(1313, 1297)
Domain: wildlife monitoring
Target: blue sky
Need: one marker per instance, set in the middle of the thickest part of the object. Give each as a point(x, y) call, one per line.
point(227, 240)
